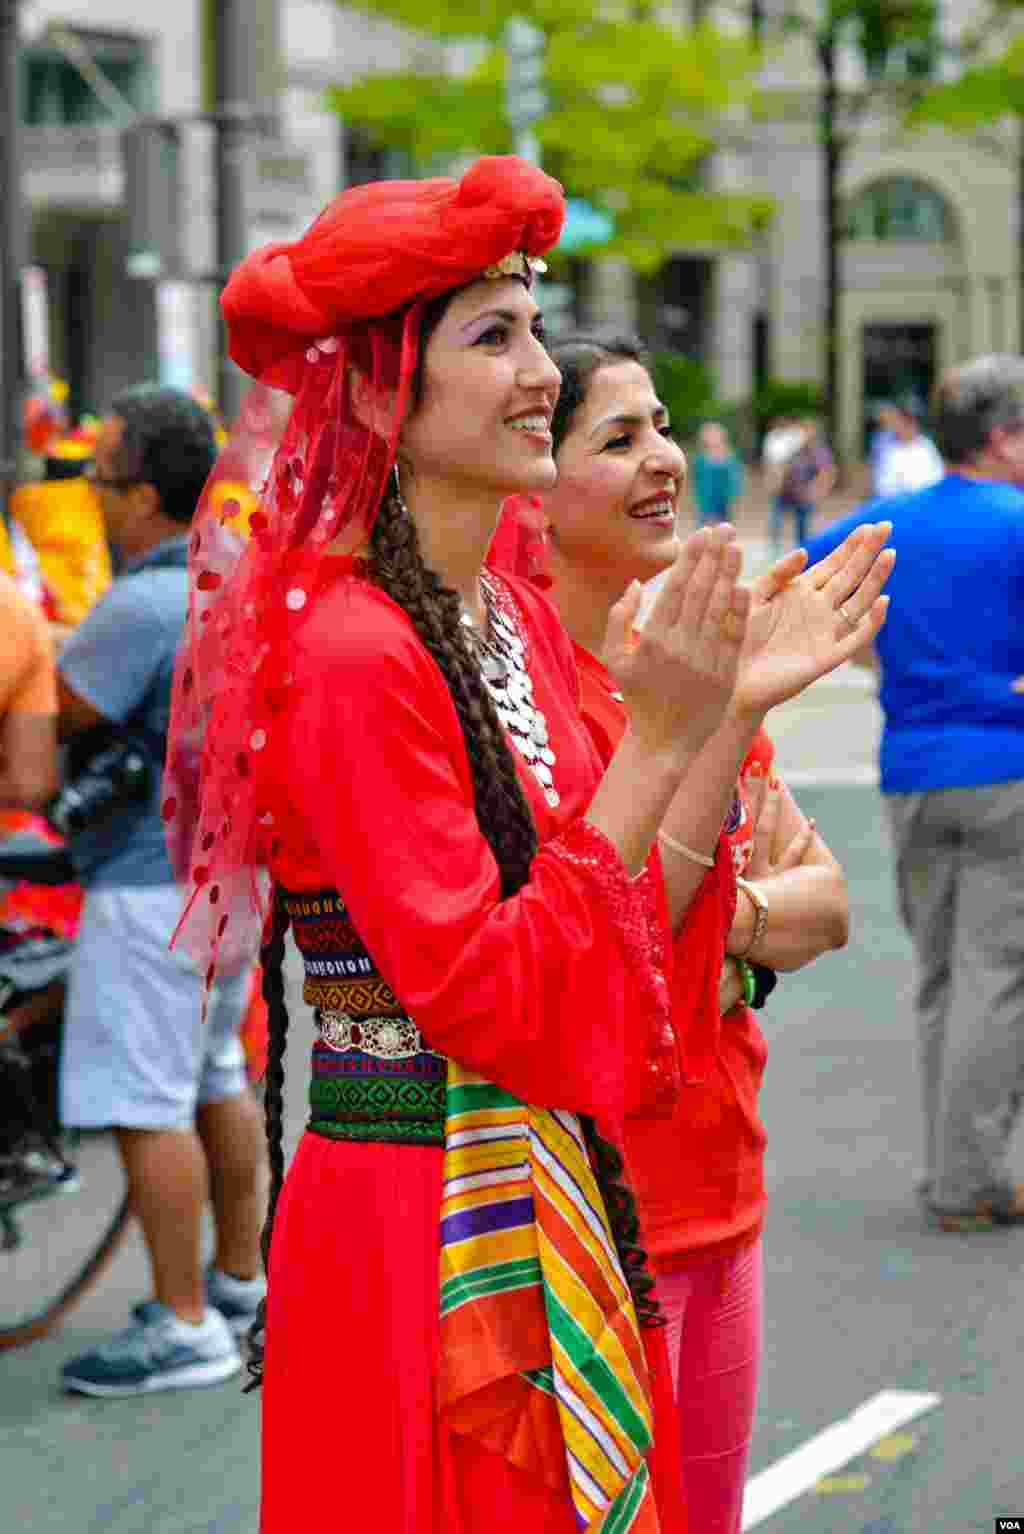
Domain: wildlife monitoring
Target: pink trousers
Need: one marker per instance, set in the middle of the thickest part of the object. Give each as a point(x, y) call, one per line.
point(713, 1313)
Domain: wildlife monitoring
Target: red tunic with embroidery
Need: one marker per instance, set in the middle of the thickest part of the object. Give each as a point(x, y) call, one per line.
point(699, 1174)
point(370, 792)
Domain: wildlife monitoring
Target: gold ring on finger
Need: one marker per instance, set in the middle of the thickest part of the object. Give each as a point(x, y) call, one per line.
point(846, 616)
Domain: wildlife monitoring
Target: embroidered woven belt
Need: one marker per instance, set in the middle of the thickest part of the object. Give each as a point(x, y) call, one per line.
point(374, 1075)
point(356, 1095)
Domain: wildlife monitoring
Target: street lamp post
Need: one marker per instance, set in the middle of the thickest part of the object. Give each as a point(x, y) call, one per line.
point(526, 101)
point(233, 85)
point(525, 97)
point(11, 251)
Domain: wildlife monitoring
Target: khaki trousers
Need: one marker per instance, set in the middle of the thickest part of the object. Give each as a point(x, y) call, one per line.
point(960, 872)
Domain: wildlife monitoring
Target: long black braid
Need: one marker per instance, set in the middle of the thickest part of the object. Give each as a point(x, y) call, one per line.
point(272, 961)
point(503, 814)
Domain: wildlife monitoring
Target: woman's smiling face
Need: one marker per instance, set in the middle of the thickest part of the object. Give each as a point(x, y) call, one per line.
point(619, 477)
point(488, 394)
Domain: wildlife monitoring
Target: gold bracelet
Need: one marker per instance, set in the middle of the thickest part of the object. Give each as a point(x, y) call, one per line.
point(685, 852)
point(757, 898)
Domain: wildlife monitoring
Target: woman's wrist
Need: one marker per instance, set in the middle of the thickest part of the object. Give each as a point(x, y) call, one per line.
point(745, 716)
point(744, 924)
point(758, 902)
point(663, 762)
point(632, 798)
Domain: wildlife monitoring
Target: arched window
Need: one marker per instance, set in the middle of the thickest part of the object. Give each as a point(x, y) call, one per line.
point(900, 208)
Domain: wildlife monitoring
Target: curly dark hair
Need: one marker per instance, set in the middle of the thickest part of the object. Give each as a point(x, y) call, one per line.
point(168, 442)
point(505, 820)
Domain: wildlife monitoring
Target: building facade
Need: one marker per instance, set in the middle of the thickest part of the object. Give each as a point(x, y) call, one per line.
point(930, 262)
point(91, 68)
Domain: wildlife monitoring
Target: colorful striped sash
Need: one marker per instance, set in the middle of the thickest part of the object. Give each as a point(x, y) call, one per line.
point(542, 1358)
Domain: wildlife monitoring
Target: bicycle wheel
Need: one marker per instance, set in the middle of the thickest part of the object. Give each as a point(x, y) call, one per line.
point(54, 1245)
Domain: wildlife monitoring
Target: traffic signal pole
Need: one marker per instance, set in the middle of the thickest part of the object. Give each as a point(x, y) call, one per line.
point(12, 222)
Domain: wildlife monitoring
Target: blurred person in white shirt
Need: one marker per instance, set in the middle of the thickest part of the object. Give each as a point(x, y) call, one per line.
point(909, 459)
point(783, 438)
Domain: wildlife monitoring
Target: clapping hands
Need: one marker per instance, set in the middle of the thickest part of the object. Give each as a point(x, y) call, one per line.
point(804, 623)
point(711, 644)
point(679, 675)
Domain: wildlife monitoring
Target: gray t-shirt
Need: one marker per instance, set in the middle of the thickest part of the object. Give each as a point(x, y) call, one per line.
point(120, 659)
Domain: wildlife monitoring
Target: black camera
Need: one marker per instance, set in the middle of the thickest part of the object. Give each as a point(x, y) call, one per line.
point(119, 776)
point(95, 811)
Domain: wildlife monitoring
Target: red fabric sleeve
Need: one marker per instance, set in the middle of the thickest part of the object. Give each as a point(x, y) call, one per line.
point(698, 954)
point(537, 992)
point(698, 948)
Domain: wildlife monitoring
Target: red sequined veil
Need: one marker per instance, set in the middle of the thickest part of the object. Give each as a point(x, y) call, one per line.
point(306, 317)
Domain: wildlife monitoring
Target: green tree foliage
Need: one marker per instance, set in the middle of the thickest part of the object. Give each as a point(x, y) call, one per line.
point(990, 86)
point(878, 27)
point(635, 107)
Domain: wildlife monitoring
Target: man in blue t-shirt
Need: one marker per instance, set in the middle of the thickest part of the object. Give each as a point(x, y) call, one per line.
point(136, 1056)
point(952, 770)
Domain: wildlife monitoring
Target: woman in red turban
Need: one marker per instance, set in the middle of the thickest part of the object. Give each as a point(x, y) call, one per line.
point(457, 1298)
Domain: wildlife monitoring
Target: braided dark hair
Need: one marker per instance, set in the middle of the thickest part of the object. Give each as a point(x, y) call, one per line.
point(502, 811)
point(578, 357)
point(272, 961)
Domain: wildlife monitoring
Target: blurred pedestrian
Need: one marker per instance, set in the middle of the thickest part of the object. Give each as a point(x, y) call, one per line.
point(808, 476)
point(699, 1169)
point(952, 769)
point(136, 1056)
point(908, 460)
point(784, 436)
point(393, 732)
point(716, 476)
point(880, 440)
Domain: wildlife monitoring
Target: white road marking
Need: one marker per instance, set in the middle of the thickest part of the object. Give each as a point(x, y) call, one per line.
point(828, 1450)
point(857, 776)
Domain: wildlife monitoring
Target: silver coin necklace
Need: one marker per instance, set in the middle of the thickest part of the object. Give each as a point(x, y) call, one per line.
point(501, 655)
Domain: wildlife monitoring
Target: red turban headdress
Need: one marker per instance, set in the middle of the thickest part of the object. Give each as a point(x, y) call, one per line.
point(302, 316)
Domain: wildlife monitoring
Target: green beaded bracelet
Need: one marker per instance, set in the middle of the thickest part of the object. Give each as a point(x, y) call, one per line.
point(748, 980)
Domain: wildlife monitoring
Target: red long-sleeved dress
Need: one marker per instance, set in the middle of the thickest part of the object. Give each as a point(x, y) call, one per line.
point(543, 993)
point(698, 1172)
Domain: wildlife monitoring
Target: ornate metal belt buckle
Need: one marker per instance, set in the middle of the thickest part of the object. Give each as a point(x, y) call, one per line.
point(388, 1038)
point(335, 1029)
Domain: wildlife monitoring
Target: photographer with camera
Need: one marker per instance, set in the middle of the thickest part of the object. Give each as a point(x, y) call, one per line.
point(137, 1057)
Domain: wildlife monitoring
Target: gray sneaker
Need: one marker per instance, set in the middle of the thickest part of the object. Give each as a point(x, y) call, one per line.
point(237, 1299)
point(158, 1352)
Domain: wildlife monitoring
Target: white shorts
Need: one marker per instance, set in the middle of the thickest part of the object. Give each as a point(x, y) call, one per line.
point(136, 1054)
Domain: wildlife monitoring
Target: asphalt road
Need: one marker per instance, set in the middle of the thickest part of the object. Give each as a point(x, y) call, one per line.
point(860, 1298)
